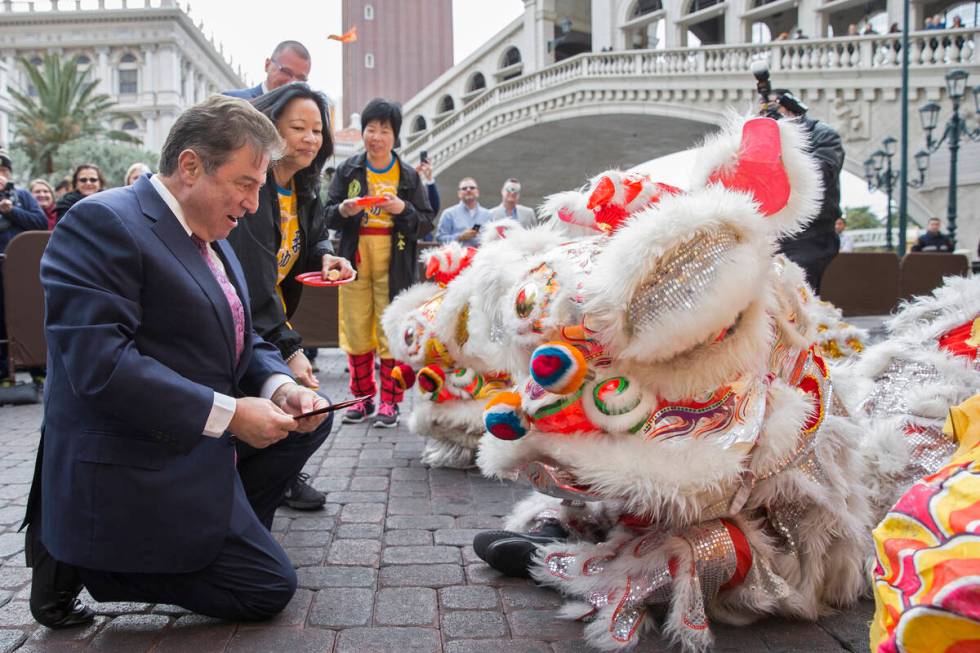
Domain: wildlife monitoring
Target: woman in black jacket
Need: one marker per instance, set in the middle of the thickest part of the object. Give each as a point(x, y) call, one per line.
point(87, 180)
point(287, 235)
point(381, 241)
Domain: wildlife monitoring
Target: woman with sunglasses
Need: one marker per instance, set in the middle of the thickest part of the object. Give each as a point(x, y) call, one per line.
point(86, 181)
point(286, 236)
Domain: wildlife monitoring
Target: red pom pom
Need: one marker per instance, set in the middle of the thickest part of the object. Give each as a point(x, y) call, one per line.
point(403, 375)
point(431, 379)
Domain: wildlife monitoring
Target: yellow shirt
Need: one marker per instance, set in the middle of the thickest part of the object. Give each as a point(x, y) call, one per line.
point(292, 241)
point(380, 182)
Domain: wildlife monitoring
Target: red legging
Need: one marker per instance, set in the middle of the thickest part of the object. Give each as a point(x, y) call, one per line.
point(362, 381)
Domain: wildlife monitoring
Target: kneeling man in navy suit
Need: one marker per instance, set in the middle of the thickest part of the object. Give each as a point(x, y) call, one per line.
point(169, 433)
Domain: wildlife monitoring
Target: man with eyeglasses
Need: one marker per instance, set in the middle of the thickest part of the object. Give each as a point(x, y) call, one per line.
point(510, 194)
point(290, 62)
point(462, 221)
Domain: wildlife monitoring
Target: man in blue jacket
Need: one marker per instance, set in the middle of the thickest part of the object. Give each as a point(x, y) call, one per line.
point(170, 428)
point(19, 212)
point(290, 62)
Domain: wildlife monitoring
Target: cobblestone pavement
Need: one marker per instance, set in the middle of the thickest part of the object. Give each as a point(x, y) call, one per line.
point(388, 566)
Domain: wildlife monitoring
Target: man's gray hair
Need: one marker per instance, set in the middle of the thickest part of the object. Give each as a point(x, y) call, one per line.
point(294, 46)
point(215, 129)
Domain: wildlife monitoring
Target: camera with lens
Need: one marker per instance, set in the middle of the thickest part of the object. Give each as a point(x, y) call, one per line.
point(783, 98)
point(7, 191)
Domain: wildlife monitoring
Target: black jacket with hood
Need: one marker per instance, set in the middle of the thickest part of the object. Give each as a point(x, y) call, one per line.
point(256, 242)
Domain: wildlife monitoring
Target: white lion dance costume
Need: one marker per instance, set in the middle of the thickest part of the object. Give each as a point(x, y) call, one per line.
point(679, 418)
point(669, 398)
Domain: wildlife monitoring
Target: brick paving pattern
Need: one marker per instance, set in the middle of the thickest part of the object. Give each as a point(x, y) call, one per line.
point(387, 567)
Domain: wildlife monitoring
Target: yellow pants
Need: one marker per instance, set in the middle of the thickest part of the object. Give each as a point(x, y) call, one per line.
point(362, 301)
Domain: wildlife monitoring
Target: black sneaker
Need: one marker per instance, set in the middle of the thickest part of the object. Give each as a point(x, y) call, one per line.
point(301, 496)
point(387, 416)
point(359, 412)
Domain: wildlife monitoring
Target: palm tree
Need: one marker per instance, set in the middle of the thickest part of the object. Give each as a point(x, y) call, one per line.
point(66, 108)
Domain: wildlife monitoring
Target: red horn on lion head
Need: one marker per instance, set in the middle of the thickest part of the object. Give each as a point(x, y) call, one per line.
point(759, 168)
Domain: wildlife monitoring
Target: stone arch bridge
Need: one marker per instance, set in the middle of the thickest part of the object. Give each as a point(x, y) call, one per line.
point(554, 127)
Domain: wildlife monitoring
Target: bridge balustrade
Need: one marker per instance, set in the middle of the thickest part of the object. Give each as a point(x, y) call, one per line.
point(683, 69)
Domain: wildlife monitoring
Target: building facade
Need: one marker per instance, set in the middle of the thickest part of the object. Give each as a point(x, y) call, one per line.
point(148, 55)
point(401, 46)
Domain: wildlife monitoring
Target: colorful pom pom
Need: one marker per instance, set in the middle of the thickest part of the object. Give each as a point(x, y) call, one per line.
point(431, 379)
point(504, 418)
point(403, 375)
point(558, 367)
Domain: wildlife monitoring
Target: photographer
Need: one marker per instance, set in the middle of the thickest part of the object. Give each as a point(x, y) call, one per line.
point(19, 212)
point(814, 247)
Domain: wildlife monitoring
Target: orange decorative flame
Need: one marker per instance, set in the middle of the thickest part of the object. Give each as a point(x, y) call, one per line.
point(347, 37)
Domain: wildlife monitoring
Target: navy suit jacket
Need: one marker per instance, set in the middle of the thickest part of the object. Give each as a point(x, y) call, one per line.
point(246, 93)
point(139, 337)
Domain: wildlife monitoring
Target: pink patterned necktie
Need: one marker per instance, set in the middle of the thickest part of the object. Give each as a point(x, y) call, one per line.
point(237, 310)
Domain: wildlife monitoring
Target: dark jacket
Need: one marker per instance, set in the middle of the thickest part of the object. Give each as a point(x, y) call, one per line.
point(245, 93)
point(136, 352)
point(413, 223)
point(256, 243)
point(25, 216)
point(930, 242)
point(828, 151)
point(67, 201)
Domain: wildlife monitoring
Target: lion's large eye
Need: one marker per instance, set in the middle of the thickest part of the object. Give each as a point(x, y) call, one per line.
point(409, 336)
point(527, 299)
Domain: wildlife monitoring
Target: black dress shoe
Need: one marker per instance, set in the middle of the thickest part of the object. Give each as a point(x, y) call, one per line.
point(512, 553)
point(54, 589)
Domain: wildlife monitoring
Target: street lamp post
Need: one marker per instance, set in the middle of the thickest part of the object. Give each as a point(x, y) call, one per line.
point(954, 130)
point(879, 174)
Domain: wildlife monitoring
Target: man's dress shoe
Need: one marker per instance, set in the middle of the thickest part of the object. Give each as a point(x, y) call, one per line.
point(54, 589)
point(512, 553)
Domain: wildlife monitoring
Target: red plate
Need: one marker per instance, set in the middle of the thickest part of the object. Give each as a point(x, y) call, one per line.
point(371, 200)
point(315, 278)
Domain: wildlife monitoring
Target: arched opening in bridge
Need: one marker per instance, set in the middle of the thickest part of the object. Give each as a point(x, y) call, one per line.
point(418, 125)
point(770, 20)
point(446, 104)
point(967, 12)
point(646, 26)
point(474, 86)
point(573, 29)
point(511, 64)
point(705, 23)
point(761, 33)
point(872, 14)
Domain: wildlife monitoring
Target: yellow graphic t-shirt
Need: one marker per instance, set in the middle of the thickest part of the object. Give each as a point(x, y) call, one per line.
point(380, 182)
point(292, 241)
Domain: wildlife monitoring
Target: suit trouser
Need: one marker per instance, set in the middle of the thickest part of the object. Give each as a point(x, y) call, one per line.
point(252, 578)
point(266, 473)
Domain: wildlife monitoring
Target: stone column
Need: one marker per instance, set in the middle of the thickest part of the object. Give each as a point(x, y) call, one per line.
point(603, 24)
point(148, 84)
point(105, 72)
point(539, 23)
